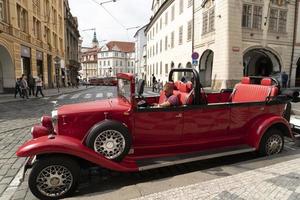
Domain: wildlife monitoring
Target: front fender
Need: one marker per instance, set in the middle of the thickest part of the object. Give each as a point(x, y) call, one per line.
point(57, 144)
point(262, 124)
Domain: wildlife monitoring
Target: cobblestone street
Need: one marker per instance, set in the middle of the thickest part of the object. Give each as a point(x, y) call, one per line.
point(280, 181)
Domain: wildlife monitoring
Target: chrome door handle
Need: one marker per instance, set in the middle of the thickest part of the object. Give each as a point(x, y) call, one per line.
point(179, 115)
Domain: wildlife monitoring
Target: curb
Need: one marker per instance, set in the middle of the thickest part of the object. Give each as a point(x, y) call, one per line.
point(51, 95)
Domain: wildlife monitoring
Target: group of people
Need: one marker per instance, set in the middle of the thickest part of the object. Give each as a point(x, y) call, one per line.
point(27, 86)
point(157, 85)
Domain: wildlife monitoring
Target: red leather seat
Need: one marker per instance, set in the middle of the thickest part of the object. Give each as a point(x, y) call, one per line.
point(246, 92)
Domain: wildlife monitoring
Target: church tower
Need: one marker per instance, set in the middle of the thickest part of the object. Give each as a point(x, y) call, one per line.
point(95, 40)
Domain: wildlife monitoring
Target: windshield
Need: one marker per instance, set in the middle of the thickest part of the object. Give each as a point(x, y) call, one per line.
point(124, 89)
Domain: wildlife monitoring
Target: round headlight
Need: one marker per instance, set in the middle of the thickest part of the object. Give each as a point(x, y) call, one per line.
point(54, 118)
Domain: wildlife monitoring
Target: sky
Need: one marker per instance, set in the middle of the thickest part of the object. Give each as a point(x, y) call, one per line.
point(128, 13)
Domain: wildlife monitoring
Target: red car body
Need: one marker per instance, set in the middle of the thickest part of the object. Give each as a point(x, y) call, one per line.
point(214, 123)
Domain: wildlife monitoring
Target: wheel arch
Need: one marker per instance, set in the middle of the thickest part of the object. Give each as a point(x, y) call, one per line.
point(265, 123)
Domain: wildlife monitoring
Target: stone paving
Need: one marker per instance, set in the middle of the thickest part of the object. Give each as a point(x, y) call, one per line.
point(280, 181)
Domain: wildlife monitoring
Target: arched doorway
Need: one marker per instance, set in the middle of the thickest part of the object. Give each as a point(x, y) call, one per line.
point(297, 83)
point(260, 62)
point(7, 77)
point(205, 67)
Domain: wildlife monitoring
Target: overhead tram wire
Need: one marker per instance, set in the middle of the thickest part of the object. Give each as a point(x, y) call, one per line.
point(109, 14)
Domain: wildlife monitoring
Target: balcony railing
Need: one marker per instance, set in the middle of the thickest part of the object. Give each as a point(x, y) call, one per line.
point(5, 28)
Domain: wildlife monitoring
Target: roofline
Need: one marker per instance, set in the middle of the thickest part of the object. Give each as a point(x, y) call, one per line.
point(158, 13)
point(140, 30)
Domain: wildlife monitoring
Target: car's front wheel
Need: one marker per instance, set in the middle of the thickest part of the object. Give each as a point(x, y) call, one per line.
point(272, 142)
point(111, 139)
point(54, 177)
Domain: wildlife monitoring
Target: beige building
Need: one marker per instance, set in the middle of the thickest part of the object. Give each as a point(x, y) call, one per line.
point(31, 36)
point(296, 60)
point(243, 37)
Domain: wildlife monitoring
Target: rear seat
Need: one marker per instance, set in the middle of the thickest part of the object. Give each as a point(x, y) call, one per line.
point(183, 91)
point(247, 92)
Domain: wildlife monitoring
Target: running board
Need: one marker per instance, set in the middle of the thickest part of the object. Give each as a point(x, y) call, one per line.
point(185, 158)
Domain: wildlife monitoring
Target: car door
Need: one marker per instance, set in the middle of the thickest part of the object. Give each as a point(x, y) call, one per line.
point(206, 126)
point(157, 129)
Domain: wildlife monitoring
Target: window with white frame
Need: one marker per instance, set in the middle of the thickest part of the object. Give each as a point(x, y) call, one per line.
point(166, 18)
point(172, 39)
point(160, 46)
point(166, 43)
point(180, 6)
point(173, 13)
point(189, 30)
point(252, 16)
point(277, 20)
point(205, 23)
point(160, 23)
point(180, 35)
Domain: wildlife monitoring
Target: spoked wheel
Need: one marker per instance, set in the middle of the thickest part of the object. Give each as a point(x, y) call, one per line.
point(272, 142)
point(110, 143)
point(111, 139)
point(54, 177)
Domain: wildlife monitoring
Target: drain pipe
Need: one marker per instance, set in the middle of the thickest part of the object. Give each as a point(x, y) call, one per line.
point(294, 41)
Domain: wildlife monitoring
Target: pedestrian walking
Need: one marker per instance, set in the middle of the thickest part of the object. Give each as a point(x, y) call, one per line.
point(31, 85)
point(39, 86)
point(77, 82)
point(17, 88)
point(284, 79)
point(153, 82)
point(24, 87)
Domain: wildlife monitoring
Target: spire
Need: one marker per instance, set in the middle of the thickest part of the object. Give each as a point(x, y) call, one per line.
point(95, 41)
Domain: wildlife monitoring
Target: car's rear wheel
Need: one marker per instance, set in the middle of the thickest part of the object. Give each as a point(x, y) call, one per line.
point(272, 142)
point(111, 139)
point(54, 177)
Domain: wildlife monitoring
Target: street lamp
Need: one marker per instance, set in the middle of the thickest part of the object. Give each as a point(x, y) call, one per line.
point(57, 68)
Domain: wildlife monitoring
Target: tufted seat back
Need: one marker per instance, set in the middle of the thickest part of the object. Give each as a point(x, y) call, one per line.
point(246, 92)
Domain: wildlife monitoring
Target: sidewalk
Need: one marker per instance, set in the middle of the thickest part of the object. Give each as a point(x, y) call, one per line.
point(279, 181)
point(4, 98)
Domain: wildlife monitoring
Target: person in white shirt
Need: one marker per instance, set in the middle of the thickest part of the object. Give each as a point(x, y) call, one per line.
point(39, 86)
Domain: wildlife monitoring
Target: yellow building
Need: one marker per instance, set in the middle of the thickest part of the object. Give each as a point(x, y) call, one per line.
point(31, 37)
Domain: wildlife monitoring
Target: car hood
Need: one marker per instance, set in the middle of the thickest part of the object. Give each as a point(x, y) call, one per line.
point(103, 105)
point(76, 119)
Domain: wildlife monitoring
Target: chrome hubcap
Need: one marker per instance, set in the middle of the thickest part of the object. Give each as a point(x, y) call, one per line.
point(110, 143)
point(54, 181)
point(274, 145)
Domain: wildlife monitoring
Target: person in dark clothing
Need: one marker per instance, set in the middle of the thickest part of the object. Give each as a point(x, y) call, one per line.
point(31, 84)
point(17, 88)
point(183, 79)
point(284, 79)
point(153, 82)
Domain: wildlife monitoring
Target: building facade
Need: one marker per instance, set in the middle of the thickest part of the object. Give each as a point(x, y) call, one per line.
point(31, 36)
point(169, 37)
point(116, 57)
point(72, 45)
point(243, 38)
point(140, 47)
point(296, 60)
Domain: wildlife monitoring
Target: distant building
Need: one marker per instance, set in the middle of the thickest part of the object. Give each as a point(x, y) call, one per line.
point(116, 57)
point(72, 65)
point(140, 51)
point(169, 37)
point(243, 38)
point(89, 57)
point(296, 60)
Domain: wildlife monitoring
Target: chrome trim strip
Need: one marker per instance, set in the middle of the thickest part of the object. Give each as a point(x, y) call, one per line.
point(204, 157)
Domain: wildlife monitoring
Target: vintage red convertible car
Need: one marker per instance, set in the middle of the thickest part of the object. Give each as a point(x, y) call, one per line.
point(127, 134)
